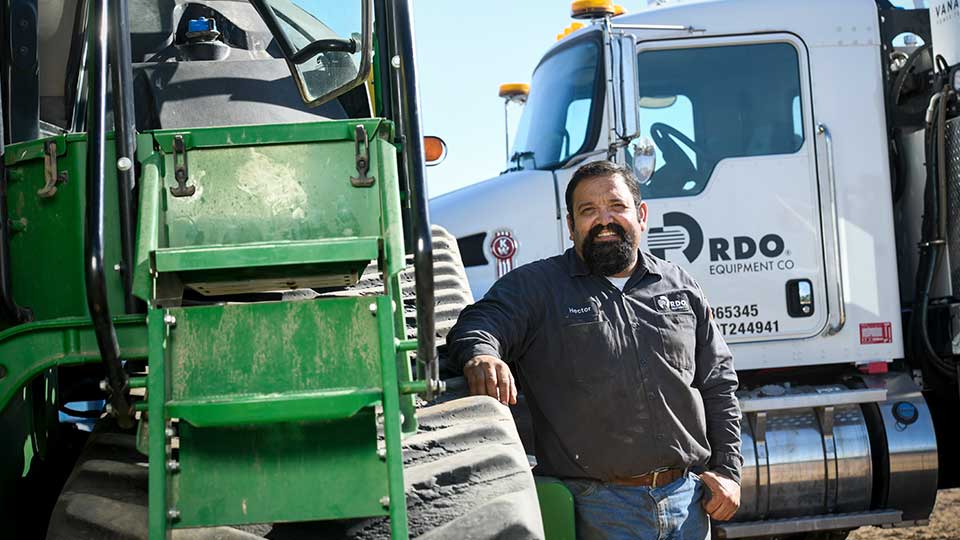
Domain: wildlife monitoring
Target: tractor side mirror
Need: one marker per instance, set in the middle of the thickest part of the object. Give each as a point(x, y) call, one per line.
point(328, 46)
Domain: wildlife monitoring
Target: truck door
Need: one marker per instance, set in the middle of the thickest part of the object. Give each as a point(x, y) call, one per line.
point(735, 197)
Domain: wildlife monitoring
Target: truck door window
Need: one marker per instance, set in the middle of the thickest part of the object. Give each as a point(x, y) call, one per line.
point(676, 111)
point(560, 116)
point(578, 115)
point(704, 104)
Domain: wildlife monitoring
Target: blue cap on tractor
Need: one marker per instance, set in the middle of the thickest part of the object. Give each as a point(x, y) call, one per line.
point(202, 24)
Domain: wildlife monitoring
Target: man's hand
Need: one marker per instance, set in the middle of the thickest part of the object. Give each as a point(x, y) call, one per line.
point(490, 376)
point(724, 497)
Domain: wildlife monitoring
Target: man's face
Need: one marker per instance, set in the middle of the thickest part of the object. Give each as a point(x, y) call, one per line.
point(605, 225)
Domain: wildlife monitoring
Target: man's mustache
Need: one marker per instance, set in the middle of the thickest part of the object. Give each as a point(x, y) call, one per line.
point(612, 227)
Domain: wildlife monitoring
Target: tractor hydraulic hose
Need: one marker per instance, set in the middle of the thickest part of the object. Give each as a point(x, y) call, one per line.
point(9, 310)
point(414, 160)
point(125, 130)
point(94, 227)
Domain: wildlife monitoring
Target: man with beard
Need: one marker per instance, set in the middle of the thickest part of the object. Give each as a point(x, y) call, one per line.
point(629, 382)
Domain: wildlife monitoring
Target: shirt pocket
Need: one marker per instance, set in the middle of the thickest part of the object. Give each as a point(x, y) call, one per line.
point(587, 347)
point(678, 331)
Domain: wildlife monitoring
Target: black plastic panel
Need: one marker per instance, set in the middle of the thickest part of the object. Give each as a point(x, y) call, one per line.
point(471, 250)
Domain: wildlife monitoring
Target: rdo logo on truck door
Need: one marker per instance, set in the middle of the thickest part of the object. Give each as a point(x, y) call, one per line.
point(681, 232)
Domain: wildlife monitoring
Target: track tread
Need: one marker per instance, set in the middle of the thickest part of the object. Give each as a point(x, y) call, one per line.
point(464, 466)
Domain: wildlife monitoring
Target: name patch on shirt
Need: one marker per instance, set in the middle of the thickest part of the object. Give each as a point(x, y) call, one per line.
point(582, 313)
point(676, 302)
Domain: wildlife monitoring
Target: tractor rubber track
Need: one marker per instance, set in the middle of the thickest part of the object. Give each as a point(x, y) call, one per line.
point(451, 289)
point(466, 474)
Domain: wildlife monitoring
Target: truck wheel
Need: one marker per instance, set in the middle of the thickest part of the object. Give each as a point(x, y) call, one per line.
point(466, 474)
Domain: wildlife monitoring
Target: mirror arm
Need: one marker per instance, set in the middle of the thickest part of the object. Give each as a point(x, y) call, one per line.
point(325, 45)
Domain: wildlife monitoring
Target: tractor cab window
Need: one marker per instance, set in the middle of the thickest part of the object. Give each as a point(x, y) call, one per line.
point(701, 105)
point(561, 111)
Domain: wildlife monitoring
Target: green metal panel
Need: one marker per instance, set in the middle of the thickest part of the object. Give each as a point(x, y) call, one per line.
point(294, 187)
point(281, 253)
point(390, 208)
point(280, 472)
point(556, 509)
point(273, 347)
point(262, 365)
point(267, 134)
point(149, 230)
point(46, 243)
point(29, 349)
point(273, 408)
point(396, 500)
point(158, 386)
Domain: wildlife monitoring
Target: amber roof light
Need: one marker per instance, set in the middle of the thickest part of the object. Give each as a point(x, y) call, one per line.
point(592, 9)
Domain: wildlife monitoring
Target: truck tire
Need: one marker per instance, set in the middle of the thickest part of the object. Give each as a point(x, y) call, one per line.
point(466, 474)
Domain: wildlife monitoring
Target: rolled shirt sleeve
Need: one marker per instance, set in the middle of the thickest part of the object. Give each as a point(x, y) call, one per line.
point(717, 382)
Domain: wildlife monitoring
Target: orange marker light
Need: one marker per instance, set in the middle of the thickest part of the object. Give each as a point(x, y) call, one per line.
point(591, 9)
point(569, 30)
point(514, 90)
point(434, 150)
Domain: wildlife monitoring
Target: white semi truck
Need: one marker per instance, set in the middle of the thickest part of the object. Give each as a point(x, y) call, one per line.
point(807, 173)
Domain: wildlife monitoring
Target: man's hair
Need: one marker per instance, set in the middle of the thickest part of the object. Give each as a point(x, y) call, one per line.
point(603, 168)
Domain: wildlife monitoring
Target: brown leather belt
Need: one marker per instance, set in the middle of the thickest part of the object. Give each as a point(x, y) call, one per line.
point(653, 479)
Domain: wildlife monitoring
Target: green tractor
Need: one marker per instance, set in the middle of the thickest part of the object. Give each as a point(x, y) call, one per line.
point(214, 245)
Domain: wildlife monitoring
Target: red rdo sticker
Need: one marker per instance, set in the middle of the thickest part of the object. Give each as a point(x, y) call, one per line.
point(876, 332)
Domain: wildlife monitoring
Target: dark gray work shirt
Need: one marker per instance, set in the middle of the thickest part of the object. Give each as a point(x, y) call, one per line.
point(619, 383)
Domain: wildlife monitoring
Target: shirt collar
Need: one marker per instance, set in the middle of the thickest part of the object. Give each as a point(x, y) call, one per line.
point(646, 264)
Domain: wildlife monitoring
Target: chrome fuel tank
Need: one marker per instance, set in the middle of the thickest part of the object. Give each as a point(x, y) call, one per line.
point(827, 450)
point(805, 461)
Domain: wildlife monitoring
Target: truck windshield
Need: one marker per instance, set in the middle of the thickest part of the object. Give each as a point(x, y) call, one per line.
point(561, 111)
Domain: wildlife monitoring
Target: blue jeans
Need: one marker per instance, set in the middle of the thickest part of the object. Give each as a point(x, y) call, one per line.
point(612, 512)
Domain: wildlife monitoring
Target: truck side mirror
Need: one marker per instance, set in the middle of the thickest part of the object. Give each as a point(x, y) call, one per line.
point(644, 159)
point(625, 86)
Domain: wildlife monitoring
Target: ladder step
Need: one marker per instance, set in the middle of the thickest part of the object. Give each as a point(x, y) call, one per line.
point(275, 408)
point(261, 254)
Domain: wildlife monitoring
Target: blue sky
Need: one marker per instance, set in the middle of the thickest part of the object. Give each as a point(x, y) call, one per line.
point(465, 51)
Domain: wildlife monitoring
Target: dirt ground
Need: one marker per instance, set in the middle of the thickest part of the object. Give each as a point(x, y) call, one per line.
point(944, 523)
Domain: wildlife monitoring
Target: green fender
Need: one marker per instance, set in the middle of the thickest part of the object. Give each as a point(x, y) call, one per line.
point(556, 508)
